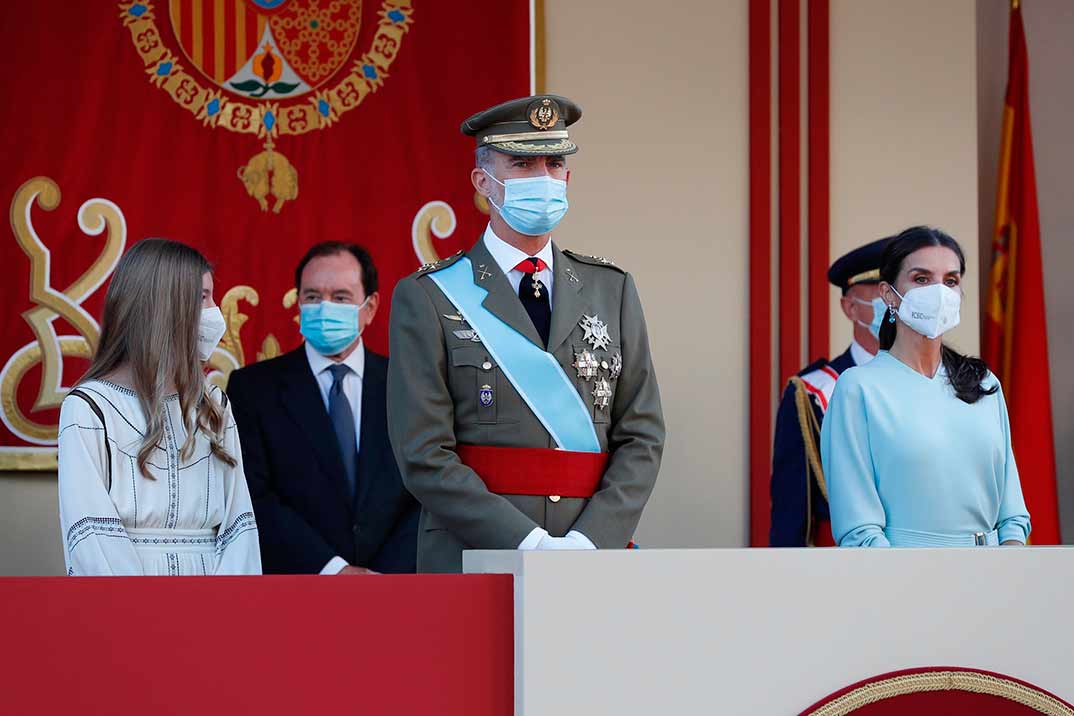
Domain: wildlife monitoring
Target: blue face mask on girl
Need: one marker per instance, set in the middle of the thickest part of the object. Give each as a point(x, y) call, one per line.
point(330, 327)
point(879, 309)
point(532, 205)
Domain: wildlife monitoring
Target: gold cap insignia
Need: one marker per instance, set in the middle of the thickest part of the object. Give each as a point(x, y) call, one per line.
point(544, 114)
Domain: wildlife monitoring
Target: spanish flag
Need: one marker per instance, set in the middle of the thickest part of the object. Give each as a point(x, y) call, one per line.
point(1016, 330)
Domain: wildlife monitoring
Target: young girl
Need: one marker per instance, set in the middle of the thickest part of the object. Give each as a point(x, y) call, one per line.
point(150, 470)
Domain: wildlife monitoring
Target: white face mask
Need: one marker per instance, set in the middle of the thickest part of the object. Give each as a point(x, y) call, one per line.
point(211, 328)
point(930, 310)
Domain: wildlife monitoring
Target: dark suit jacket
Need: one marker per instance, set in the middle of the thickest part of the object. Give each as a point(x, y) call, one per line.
point(295, 472)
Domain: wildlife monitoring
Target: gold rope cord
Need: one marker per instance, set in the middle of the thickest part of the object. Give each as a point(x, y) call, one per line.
point(968, 681)
point(810, 426)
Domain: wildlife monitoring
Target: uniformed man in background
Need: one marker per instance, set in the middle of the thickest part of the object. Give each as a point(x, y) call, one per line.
point(799, 492)
point(523, 406)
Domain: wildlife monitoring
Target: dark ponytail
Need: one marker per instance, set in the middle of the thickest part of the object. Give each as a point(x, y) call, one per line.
point(965, 374)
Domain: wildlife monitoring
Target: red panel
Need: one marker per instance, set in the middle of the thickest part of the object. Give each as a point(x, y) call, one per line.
point(818, 186)
point(760, 69)
point(270, 645)
point(790, 202)
point(186, 10)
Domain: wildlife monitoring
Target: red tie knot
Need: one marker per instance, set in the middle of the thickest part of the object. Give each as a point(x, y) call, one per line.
point(531, 265)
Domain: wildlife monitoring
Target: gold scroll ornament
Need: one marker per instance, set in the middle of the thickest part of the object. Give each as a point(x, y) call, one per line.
point(49, 349)
point(437, 219)
point(229, 355)
point(95, 216)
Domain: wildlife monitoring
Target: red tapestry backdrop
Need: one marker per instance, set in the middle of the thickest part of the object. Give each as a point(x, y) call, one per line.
point(249, 129)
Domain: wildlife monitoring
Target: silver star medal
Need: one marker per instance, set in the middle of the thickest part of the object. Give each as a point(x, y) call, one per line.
point(586, 365)
point(602, 394)
point(596, 332)
point(617, 365)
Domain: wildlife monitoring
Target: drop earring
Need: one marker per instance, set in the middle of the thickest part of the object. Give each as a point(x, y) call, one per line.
point(891, 314)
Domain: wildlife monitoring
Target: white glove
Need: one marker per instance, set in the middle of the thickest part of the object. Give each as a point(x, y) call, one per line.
point(572, 540)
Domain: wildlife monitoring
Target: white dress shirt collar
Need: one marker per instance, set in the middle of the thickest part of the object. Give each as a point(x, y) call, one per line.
point(507, 256)
point(859, 354)
point(320, 363)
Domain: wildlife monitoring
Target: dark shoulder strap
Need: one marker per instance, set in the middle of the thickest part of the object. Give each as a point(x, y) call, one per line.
point(100, 416)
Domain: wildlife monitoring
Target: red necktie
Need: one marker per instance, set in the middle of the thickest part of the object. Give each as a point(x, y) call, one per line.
point(531, 265)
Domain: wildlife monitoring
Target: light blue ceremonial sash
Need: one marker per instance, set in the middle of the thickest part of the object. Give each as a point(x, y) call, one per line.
point(535, 373)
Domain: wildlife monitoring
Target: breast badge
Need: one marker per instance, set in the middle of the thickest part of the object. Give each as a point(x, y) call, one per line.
point(465, 333)
point(596, 332)
point(485, 395)
point(617, 365)
point(586, 364)
point(602, 394)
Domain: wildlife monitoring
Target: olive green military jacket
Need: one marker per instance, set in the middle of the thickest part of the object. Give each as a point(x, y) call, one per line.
point(436, 376)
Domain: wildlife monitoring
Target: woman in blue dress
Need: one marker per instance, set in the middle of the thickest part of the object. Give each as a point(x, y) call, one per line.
point(916, 444)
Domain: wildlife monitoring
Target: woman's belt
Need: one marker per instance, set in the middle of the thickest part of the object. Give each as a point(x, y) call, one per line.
point(899, 537)
point(173, 540)
point(536, 471)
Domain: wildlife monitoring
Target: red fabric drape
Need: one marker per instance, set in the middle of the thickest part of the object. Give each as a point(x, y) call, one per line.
point(82, 109)
point(1015, 326)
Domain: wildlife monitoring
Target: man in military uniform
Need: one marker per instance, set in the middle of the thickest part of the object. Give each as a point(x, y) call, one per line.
point(799, 492)
point(522, 403)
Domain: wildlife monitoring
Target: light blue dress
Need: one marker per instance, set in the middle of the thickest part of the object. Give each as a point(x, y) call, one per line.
point(908, 464)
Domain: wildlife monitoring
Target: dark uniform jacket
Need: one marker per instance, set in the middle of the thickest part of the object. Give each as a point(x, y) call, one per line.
point(799, 493)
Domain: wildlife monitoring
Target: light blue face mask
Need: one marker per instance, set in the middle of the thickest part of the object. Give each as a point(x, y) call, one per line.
point(532, 205)
point(879, 309)
point(330, 327)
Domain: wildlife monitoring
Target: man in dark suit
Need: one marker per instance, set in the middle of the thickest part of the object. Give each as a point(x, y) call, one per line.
point(326, 490)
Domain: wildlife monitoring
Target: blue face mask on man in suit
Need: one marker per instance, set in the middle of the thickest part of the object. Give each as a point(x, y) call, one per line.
point(331, 327)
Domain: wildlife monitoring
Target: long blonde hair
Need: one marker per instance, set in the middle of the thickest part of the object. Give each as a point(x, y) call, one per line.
point(150, 324)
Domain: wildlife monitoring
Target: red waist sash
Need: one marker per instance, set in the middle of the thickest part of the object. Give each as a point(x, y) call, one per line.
point(535, 471)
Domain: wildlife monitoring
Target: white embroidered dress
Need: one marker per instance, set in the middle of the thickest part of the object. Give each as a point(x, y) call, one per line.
point(195, 518)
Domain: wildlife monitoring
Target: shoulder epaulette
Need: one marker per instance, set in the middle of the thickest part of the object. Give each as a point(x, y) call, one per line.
point(815, 365)
point(820, 382)
point(441, 264)
point(594, 260)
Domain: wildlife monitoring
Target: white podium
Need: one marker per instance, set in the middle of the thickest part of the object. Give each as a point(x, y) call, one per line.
point(766, 631)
